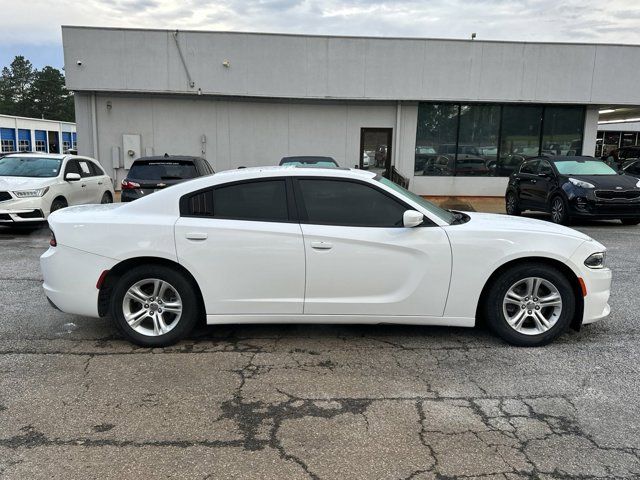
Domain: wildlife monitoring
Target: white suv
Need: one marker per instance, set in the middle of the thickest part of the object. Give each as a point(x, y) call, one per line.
point(32, 185)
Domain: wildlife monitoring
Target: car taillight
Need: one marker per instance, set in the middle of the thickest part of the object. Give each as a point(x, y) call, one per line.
point(53, 241)
point(129, 185)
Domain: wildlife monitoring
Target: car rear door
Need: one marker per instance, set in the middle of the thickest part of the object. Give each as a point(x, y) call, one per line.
point(526, 181)
point(360, 258)
point(91, 192)
point(244, 247)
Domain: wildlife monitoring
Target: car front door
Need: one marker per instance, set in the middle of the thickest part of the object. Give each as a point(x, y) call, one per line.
point(243, 247)
point(543, 184)
point(360, 258)
point(73, 191)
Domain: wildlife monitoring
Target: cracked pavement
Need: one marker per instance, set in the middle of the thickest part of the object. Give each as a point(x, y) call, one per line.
point(315, 401)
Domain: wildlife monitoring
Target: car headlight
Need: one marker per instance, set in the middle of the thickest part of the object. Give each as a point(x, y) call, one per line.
point(581, 184)
point(37, 192)
point(595, 260)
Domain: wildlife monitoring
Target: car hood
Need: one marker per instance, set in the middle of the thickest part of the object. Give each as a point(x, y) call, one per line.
point(608, 182)
point(498, 223)
point(9, 184)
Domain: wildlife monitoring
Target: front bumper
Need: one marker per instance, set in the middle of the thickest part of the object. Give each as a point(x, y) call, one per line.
point(597, 284)
point(589, 205)
point(70, 278)
point(23, 210)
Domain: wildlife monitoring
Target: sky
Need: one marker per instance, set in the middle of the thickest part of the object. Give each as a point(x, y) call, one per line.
point(34, 28)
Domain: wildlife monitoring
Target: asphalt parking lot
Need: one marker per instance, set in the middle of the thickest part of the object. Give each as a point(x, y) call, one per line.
point(314, 401)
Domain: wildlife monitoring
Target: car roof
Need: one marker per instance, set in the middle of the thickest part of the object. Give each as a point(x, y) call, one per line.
point(560, 158)
point(57, 156)
point(291, 171)
point(158, 158)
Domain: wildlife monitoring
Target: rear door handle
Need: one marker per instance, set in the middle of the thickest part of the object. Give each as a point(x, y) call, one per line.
point(83, 185)
point(196, 236)
point(534, 181)
point(321, 245)
point(99, 183)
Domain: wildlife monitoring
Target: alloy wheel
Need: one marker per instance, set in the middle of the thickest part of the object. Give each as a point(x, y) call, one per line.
point(152, 307)
point(557, 210)
point(532, 306)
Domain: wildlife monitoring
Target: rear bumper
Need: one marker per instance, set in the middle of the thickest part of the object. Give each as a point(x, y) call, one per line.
point(70, 278)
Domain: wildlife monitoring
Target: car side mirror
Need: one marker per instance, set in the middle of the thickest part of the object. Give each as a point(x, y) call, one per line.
point(412, 218)
point(72, 177)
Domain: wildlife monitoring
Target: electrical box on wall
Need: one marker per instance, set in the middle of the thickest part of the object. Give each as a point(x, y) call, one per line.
point(115, 157)
point(130, 148)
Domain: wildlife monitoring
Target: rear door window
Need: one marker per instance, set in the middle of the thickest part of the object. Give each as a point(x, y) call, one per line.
point(264, 200)
point(530, 168)
point(85, 168)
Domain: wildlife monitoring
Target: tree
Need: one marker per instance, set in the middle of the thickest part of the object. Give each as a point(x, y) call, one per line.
point(15, 83)
point(49, 97)
point(27, 92)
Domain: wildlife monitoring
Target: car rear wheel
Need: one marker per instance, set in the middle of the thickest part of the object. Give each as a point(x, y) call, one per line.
point(154, 305)
point(512, 205)
point(630, 221)
point(106, 198)
point(559, 211)
point(530, 305)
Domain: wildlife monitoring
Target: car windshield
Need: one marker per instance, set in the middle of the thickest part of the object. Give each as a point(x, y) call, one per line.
point(38, 167)
point(309, 164)
point(309, 161)
point(162, 170)
point(445, 215)
point(584, 167)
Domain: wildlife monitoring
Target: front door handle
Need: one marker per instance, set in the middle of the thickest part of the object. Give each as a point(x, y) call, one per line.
point(99, 183)
point(534, 181)
point(196, 236)
point(83, 185)
point(321, 245)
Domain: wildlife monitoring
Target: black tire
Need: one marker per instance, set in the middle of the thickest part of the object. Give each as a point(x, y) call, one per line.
point(57, 204)
point(512, 205)
point(179, 282)
point(559, 210)
point(494, 311)
point(630, 221)
point(106, 198)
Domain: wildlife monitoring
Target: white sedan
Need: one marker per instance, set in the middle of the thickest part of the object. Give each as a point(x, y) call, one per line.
point(294, 244)
point(32, 185)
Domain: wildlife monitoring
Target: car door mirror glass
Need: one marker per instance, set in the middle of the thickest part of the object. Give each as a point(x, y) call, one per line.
point(72, 177)
point(412, 218)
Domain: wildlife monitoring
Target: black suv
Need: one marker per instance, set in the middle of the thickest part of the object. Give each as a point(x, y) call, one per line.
point(149, 174)
point(570, 187)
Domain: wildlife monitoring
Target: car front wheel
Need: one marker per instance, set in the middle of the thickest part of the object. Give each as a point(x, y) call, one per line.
point(559, 211)
point(154, 305)
point(530, 305)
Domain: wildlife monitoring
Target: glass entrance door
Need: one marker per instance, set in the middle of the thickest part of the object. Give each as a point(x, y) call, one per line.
point(375, 150)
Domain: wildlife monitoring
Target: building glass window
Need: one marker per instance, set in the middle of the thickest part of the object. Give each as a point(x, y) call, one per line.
point(436, 138)
point(599, 137)
point(477, 150)
point(628, 139)
point(41, 146)
point(8, 146)
point(610, 142)
point(23, 145)
point(562, 130)
point(65, 147)
point(492, 140)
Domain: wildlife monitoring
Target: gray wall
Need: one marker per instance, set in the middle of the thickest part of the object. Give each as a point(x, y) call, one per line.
point(237, 132)
point(292, 66)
